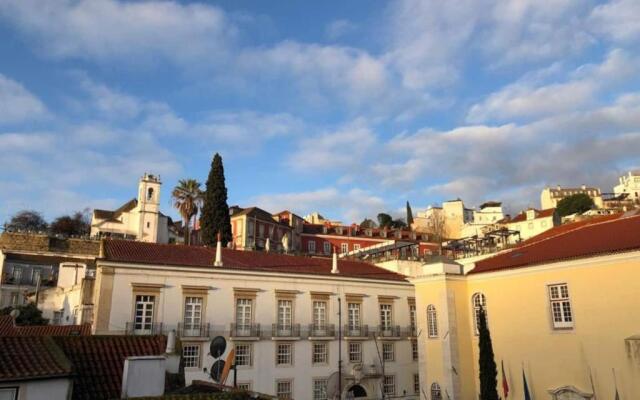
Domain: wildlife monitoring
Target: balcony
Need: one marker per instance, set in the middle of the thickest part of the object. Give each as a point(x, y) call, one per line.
point(285, 331)
point(133, 328)
point(248, 331)
point(392, 331)
point(361, 331)
point(412, 331)
point(193, 330)
point(326, 331)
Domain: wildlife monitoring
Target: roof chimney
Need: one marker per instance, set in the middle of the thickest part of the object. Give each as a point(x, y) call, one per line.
point(334, 263)
point(218, 261)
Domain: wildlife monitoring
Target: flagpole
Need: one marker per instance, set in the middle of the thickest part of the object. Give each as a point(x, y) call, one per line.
point(615, 384)
point(593, 387)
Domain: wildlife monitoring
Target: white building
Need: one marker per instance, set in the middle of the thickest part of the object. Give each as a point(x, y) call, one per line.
point(532, 222)
point(279, 312)
point(549, 197)
point(138, 219)
point(459, 221)
point(629, 184)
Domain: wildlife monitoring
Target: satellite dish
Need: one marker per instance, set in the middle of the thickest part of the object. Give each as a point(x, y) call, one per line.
point(332, 386)
point(216, 370)
point(218, 346)
point(15, 313)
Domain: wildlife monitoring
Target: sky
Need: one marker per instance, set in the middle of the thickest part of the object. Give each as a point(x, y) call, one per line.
point(349, 108)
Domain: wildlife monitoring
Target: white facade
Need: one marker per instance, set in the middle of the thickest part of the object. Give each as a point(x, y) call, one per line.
point(37, 389)
point(459, 221)
point(253, 302)
point(138, 219)
point(630, 184)
point(533, 222)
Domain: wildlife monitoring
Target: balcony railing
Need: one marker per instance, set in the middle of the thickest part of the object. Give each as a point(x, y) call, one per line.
point(412, 331)
point(322, 331)
point(285, 331)
point(133, 328)
point(245, 331)
point(360, 331)
point(193, 330)
point(392, 331)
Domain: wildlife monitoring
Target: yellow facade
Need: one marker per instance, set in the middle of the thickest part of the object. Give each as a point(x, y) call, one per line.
point(604, 293)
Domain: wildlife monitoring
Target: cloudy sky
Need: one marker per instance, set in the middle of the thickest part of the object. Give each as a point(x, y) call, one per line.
point(347, 107)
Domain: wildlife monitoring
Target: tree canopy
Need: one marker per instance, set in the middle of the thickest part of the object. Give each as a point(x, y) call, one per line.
point(215, 210)
point(368, 223)
point(187, 199)
point(29, 314)
point(387, 221)
point(576, 203)
point(26, 220)
point(77, 224)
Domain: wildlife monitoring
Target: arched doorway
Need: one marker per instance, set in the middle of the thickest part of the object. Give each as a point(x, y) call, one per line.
point(356, 391)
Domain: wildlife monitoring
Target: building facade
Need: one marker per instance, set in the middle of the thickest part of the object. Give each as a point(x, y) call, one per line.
point(455, 221)
point(282, 314)
point(550, 197)
point(629, 184)
point(532, 222)
point(544, 317)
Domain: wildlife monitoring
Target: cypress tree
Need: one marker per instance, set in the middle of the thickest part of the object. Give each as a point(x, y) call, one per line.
point(488, 368)
point(215, 210)
point(409, 216)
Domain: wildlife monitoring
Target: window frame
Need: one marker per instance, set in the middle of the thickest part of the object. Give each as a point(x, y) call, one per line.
point(314, 389)
point(476, 310)
point(14, 389)
point(326, 247)
point(324, 355)
point(388, 352)
point(311, 247)
point(344, 248)
point(416, 384)
point(289, 392)
point(351, 352)
point(249, 356)
point(432, 322)
point(435, 391)
point(385, 384)
point(415, 352)
point(278, 354)
point(197, 357)
point(563, 302)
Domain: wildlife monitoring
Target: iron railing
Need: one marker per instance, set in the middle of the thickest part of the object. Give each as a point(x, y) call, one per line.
point(193, 330)
point(245, 330)
point(289, 331)
point(133, 328)
point(322, 331)
point(392, 331)
point(356, 331)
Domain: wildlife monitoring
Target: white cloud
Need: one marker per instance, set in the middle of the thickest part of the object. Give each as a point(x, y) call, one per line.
point(247, 127)
point(618, 20)
point(339, 28)
point(108, 101)
point(17, 104)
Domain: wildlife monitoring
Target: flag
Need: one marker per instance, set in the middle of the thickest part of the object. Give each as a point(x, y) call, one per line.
point(527, 396)
point(617, 395)
point(505, 385)
point(593, 387)
point(615, 384)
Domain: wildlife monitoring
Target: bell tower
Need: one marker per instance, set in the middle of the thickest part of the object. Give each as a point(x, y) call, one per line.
point(149, 207)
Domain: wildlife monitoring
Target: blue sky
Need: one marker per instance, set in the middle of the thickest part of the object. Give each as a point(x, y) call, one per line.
point(349, 108)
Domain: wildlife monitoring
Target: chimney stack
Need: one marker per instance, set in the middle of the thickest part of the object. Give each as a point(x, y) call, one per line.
point(334, 263)
point(218, 261)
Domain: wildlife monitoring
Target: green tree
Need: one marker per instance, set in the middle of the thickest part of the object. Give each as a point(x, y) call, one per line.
point(77, 224)
point(488, 368)
point(409, 215)
point(367, 223)
point(28, 314)
point(215, 210)
point(398, 223)
point(26, 220)
point(187, 199)
point(576, 203)
point(385, 220)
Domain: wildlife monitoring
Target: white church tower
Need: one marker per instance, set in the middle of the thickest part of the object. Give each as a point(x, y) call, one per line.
point(149, 209)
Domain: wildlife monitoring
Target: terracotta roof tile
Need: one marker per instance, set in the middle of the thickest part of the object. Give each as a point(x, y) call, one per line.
point(8, 328)
point(539, 214)
point(31, 358)
point(579, 240)
point(192, 256)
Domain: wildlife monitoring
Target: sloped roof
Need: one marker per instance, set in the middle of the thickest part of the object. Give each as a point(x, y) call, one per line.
point(98, 361)
point(589, 238)
point(33, 357)
point(192, 256)
point(539, 214)
point(8, 328)
point(112, 215)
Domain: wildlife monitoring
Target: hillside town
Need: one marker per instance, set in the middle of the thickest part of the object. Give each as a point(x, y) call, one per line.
point(315, 308)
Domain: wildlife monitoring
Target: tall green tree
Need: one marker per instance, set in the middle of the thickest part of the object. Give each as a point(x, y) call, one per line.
point(385, 220)
point(488, 368)
point(576, 203)
point(367, 223)
point(187, 199)
point(409, 215)
point(215, 210)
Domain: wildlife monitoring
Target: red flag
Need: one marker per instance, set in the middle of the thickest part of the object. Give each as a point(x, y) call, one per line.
point(505, 385)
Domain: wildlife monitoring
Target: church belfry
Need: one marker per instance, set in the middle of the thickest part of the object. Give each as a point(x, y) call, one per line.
point(149, 207)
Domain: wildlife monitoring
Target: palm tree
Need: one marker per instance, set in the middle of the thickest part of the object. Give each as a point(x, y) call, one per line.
point(187, 199)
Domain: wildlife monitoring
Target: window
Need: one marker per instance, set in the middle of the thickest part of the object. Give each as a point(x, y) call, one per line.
point(191, 355)
point(150, 194)
point(414, 350)
point(244, 386)
point(9, 393)
point(327, 248)
point(148, 224)
point(244, 354)
point(560, 306)
point(311, 246)
point(478, 301)
point(385, 316)
point(389, 385)
point(320, 389)
point(143, 320)
point(17, 275)
point(356, 246)
point(416, 383)
point(412, 319)
point(344, 248)
point(436, 394)
point(36, 276)
point(260, 230)
point(319, 314)
point(354, 316)
point(432, 321)
point(320, 353)
point(355, 352)
point(57, 317)
point(284, 314)
point(192, 314)
point(243, 313)
point(284, 390)
point(284, 354)
point(388, 351)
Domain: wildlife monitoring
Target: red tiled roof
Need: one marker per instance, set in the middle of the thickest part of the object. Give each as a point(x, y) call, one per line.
point(539, 214)
point(579, 240)
point(8, 328)
point(98, 361)
point(31, 358)
point(191, 256)
point(560, 229)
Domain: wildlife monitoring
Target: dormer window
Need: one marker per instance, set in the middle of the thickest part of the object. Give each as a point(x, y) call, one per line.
point(150, 194)
point(369, 232)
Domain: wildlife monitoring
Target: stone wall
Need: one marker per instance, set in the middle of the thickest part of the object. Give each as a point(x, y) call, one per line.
point(43, 243)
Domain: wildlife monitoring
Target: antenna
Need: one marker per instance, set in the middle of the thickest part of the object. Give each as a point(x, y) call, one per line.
point(216, 350)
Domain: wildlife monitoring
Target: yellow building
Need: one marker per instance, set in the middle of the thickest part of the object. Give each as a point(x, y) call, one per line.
point(563, 309)
point(549, 197)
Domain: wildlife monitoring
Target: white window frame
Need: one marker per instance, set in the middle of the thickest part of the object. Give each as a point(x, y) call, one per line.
point(13, 391)
point(319, 388)
point(355, 352)
point(144, 313)
point(389, 385)
point(562, 316)
point(245, 386)
point(327, 247)
point(286, 391)
point(244, 313)
point(436, 391)
point(388, 351)
point(478, 300)
point(319, 315)
point(192, 317)
point(354, 311)
point(386, 316)
point(320, 353)
point(412, 318)
point(356, 246)
point(311, 246)
point(285, 314)
point(284, 357)
point(344, 248)
point(191, 355)
point(432, 321)
point(244, 357)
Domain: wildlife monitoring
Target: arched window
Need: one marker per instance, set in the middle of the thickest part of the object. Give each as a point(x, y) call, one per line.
point(432, 321)
point(436, 393)
point(150, 194)
point(478, 301)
